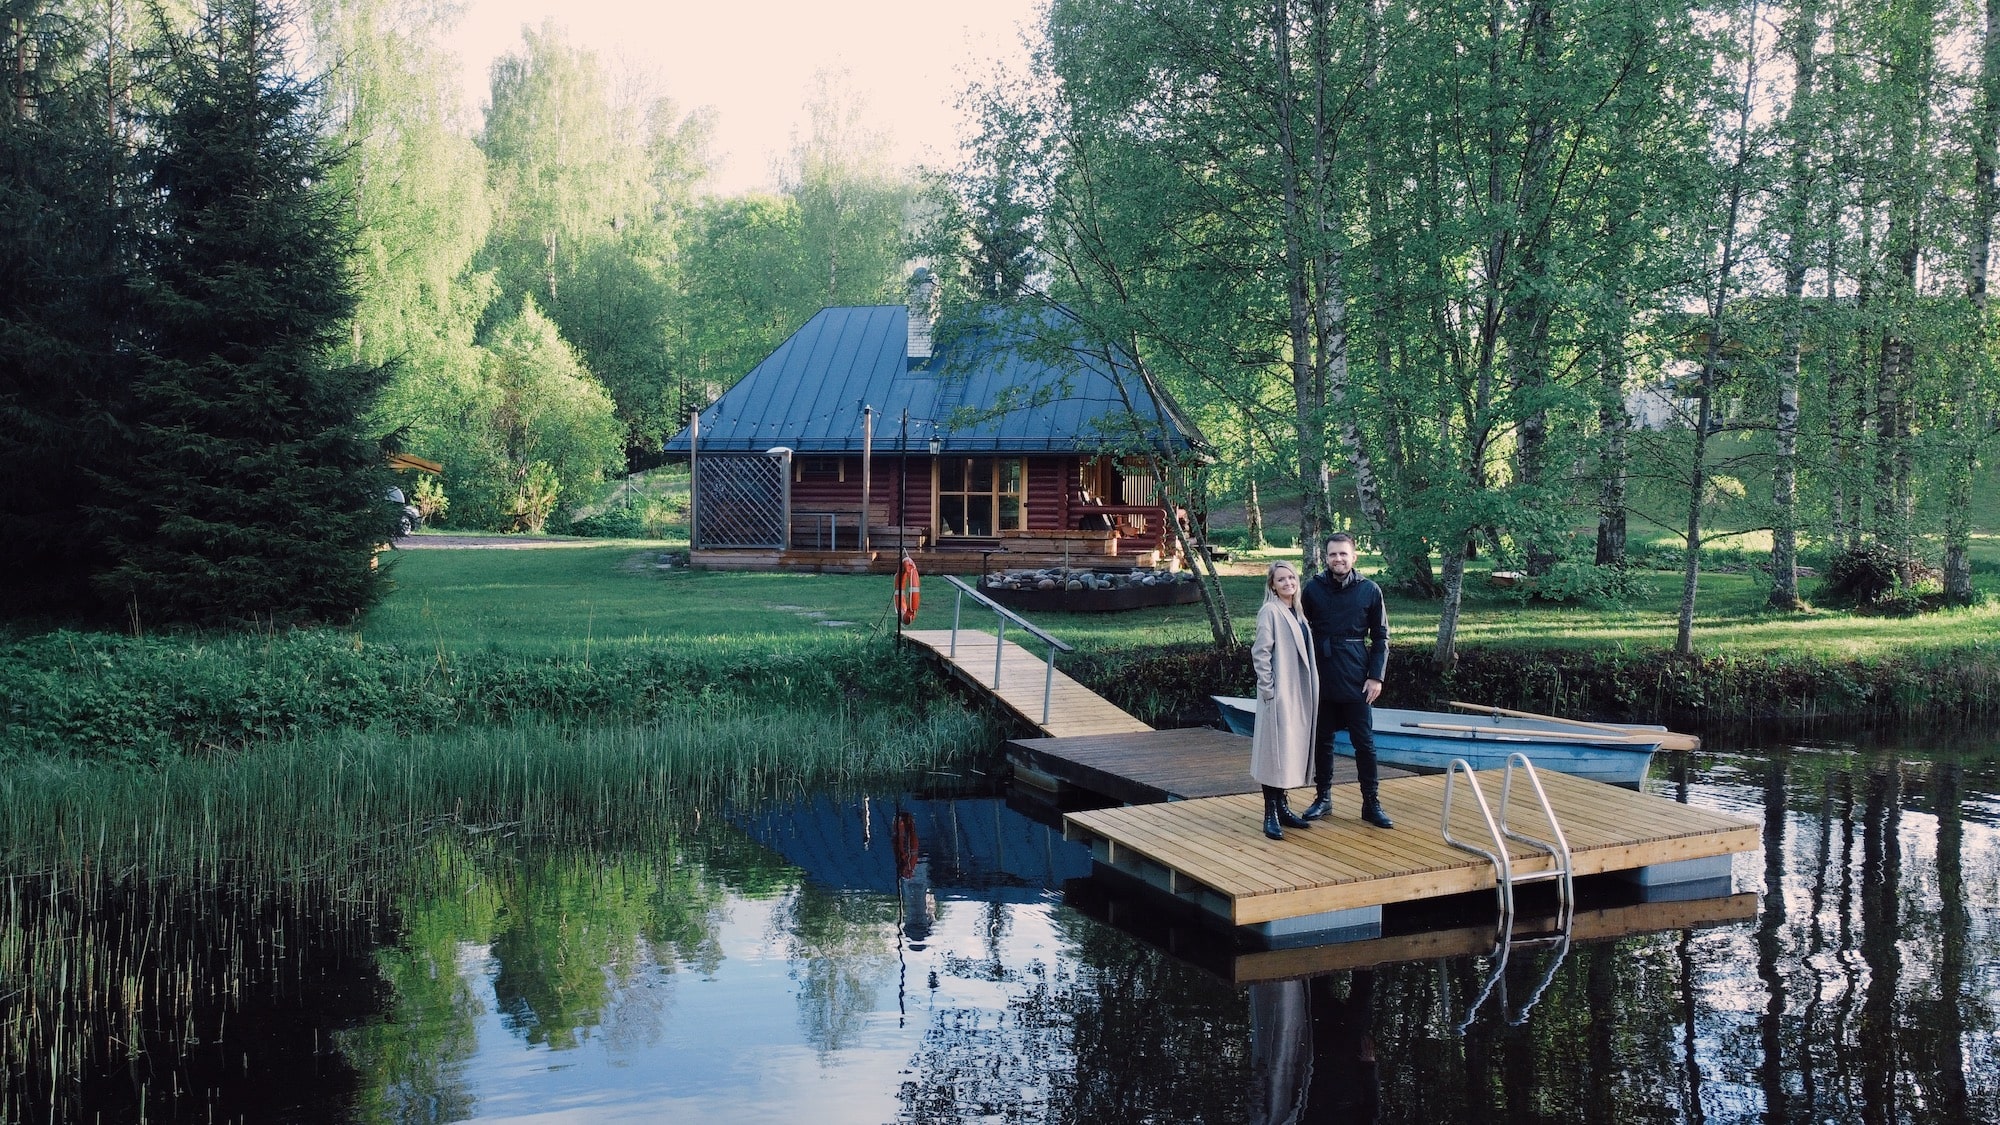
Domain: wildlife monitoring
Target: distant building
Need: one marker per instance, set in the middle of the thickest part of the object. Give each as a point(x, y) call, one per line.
point(1659, 405)
point(1016, 451)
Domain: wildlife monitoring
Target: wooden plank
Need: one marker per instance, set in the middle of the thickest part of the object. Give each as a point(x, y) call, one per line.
point(1338, 865)
point(1589, 926)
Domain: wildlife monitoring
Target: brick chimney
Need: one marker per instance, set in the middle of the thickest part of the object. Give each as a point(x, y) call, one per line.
point(922, 302)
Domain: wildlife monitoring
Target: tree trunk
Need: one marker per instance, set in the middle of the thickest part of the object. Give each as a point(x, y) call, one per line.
point(1253, 508)
point(1712, 357)
point(1308, 402)
point(1985, 202)
point(1444, 655)
point(1329, 290)
point(1804, 34)
point(1614, 424)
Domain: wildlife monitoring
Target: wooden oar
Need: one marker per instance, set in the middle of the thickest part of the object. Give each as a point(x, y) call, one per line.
point(1635, 738)
point(1670, 740)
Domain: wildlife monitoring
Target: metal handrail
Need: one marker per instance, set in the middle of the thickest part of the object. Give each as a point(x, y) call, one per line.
point(1003, 611)
point(1503, 886)
point(1002, 615)
point(1558, 850)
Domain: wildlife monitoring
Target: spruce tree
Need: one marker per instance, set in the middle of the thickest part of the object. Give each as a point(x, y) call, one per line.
point(64, 301)
point(252, 493)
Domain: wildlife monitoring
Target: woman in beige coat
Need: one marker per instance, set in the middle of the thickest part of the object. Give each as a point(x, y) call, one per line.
point(1287, 698)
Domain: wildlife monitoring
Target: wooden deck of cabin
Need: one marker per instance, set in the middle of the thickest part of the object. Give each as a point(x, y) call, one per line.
point(1148, 766)
point(1073, 710)
point(1212, 851)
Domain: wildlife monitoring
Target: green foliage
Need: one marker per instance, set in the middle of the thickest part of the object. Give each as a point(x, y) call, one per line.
point(1170, 685)
point(544, 429)
point(65, 302)
point(150, 701)
point(1571, 581)
point(1874, 576)
point(744, 287)
point(850, 201)
point(589, 192)
point(612, 523)
point(250, 492)
point(427, 495)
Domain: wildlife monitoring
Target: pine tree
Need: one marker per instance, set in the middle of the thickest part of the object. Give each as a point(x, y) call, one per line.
point(64, 294)
point(252, 494)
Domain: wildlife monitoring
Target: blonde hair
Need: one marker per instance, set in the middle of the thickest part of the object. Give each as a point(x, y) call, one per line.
point(1271, 574)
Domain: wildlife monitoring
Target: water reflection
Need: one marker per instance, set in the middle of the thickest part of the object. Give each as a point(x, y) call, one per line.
point(939, 957)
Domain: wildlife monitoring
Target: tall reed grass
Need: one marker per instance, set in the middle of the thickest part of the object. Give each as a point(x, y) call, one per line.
point(136, 898)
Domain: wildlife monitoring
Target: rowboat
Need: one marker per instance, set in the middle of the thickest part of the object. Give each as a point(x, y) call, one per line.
point(1428, 741)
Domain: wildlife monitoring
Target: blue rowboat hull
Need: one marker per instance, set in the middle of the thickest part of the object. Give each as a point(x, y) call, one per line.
point(1486, 748)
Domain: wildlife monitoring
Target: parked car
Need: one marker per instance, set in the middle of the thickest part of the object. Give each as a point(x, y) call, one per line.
point(408, 519)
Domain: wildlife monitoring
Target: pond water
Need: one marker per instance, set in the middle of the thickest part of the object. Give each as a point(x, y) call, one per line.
point(942, 955)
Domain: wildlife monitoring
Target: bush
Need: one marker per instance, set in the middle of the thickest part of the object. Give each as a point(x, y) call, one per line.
point(612, 523)
point(143, 701)
point(1572, 582)
point(1283, 538)
point(1874, 576)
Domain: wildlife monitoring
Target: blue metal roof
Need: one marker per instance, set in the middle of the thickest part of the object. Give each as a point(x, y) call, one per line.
point(993, 386)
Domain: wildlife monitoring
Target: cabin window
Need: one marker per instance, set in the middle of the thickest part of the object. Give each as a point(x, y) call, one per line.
point(981, 495)
point(819, 468)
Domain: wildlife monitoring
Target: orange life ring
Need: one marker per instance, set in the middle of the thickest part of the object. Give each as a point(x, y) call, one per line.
point(909, 590)
point(904, 837)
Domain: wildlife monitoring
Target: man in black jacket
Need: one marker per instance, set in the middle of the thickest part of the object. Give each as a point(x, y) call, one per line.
point(1350, 628)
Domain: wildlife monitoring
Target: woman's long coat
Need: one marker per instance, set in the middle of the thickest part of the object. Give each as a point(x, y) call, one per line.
point(1287, 697)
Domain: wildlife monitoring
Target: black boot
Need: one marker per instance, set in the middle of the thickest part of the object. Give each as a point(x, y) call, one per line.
point(1322, 803)
point(1371, 812)
point(1271, 828)
point(1285, 807)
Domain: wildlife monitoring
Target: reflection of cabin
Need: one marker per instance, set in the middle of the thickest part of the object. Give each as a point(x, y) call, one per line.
point(998, 464)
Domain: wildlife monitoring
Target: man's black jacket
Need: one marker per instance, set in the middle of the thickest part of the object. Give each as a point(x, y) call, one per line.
point(1350, 628)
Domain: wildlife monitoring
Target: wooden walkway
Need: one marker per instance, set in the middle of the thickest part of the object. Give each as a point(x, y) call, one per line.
point(1074, 710)
point(1212, 852)
point(1144, 767)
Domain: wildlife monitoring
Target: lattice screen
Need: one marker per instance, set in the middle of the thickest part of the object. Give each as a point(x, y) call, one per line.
point(741, 498)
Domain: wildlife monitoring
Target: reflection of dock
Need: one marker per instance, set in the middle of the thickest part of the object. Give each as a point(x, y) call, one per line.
point(1203, 947)
point(1338, 874)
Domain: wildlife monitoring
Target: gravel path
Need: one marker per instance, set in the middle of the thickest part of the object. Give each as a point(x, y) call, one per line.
point(490, 542)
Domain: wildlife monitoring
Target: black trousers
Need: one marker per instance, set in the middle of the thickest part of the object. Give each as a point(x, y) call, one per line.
point(1357, 718)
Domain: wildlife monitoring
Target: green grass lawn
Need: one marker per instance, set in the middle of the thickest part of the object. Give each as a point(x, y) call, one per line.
point(576, 599)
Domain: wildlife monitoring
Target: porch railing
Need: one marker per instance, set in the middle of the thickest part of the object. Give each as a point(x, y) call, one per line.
point(1001, 616)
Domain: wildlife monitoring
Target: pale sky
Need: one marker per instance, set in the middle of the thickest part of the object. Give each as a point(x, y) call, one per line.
point(753, 60)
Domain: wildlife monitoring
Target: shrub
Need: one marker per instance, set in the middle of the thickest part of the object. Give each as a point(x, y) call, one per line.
point(1874, 576)
point(1571, 582)
point(612, 523)
point(1231, 537)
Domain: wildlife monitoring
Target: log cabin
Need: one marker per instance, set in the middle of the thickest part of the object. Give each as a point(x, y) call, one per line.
point(861, 439)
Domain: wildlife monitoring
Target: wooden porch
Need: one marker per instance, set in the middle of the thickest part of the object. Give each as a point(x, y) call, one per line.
point(835, 552)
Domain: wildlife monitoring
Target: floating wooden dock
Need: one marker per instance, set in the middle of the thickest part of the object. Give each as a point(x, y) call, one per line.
point(1337, 875)
point(1203, 947)
point(1073, 710)
point(1193, 823)
point(1144, 767)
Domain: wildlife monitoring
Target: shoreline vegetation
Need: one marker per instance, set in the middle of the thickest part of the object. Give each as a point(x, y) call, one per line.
point(604, 637)
point(500, 701)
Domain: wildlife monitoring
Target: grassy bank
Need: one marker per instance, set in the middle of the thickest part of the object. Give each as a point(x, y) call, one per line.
point(593, 636)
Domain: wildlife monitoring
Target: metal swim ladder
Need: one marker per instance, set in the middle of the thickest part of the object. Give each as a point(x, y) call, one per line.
point(1501, 832)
